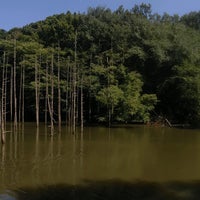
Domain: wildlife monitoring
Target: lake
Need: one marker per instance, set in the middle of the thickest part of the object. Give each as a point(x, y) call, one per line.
point(139, 158)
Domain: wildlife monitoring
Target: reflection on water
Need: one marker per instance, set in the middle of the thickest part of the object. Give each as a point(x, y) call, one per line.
point(113, 190)
point(32, 158)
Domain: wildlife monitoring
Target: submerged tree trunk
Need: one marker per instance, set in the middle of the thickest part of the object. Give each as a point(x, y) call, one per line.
point(46, 93)
point(3, 101)
point(69, 94)
point(49, 100)
point(5, 90)
point(23, 86)
point(11, 93)
point(36, 93)
point(59, 93)
point(15, 86)
point(74, 93)
point(82, 103)
point(52, 94)
point(67, 98)
point(3, 139)
point(51, 104)
point(20, 95)
point(90, 84)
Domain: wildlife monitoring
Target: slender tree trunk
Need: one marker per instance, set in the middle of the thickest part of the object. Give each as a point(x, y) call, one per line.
point(4, 88)
point(11, 93)
point(15, 87)
point(74, 85)
point(82, 104)
point(47, 93)
point(66, 106)
point(36, 93)
point(51, 115)
point(77, 94)
point(67, 95)
point(23, 85)
point(6, 80)
point(3, 103)
point(49, 102)
point(59, 93)
point(52, 94)
point(108, 85)
point(109, 117)
point(70, 107)
point(3, 139)
point(20, 96)
point(90, 109)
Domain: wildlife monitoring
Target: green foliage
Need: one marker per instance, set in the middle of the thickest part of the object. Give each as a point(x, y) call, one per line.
point(182, 93)
point(110, 96)
point(148, 102)
point(192, 20)
point(128, 62)
point(136, 106)
point(2, 34)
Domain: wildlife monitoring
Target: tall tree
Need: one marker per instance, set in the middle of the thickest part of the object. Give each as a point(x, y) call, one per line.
point(37, 92)
point(59, 92)
point(74, 81)
point(3, 100)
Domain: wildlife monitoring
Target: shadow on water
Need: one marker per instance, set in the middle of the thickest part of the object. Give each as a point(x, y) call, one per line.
point(111, 190)
point(32, 165)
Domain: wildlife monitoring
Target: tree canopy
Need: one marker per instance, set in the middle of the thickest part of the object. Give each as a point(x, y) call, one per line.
point(119, 66)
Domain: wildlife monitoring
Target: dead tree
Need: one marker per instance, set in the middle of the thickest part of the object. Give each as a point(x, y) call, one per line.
point(59, 92)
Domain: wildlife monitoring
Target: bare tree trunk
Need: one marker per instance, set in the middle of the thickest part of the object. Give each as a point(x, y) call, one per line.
point(20, 96)
point(67, 95)
point(74, 85)
point(77, 93)
point(15, 87)
point(66, 98)
point(6, 80)
point(4, 87)
point(3, 137)
point(47, 93)
point(36, 92)
point(90, 109)
point(70, 107)
point(3, 102)
point(11, 94)
point(108, 106)
point(51, 115)
point(66, 106)
point(2, 125)
point(59, 93)
point(52, 95)
point(23, 85)
point(82, 104)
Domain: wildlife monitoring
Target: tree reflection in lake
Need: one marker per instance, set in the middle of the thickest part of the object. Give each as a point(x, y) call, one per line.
point(32, 158)
point(113, 190)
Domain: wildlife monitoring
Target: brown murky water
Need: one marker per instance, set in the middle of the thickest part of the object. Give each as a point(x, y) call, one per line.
point(33, 159)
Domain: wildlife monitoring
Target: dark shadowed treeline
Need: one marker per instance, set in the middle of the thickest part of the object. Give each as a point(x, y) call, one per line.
point(102, 66)
point(113, 190)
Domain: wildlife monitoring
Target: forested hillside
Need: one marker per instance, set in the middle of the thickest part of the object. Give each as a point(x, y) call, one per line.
point(102, 66)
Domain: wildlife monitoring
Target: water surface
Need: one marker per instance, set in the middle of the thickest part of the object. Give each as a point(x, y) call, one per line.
point(32, 158)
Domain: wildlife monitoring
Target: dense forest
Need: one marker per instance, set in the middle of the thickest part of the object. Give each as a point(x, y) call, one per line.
point(121, 66)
